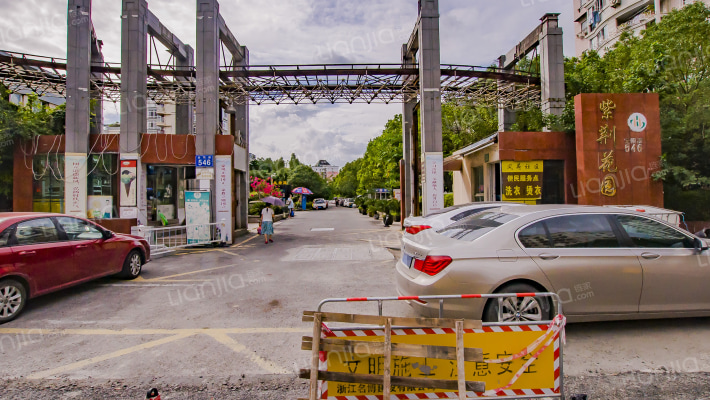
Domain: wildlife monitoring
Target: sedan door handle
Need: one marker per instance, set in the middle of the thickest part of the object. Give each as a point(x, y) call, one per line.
point(548, 257)
point(27, 253)
point(650, 256)
point(82, 246)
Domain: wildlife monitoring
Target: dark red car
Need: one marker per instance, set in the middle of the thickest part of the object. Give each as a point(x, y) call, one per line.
point(41, 253)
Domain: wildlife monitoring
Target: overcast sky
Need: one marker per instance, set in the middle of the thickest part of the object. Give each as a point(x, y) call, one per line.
point(473, 32)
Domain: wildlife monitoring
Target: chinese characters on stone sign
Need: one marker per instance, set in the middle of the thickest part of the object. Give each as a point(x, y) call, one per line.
point(607, 163)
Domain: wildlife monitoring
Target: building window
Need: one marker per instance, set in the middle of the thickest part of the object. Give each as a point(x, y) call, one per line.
point(162, 193)
point(478, 184)
point(48, 183)
point(101, 185)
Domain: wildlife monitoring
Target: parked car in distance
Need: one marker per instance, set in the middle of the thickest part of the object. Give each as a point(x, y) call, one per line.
point(604, 263)
point(348, 203)
point(320, 204)
point(41, 253)
point(448, 216)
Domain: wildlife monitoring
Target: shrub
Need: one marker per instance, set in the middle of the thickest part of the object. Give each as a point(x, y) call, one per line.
point(448, 199)
point(255, 208)
point(394, 207)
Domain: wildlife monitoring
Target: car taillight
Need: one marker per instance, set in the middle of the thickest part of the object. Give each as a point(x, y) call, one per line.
point(432, 265)
point(413, 230)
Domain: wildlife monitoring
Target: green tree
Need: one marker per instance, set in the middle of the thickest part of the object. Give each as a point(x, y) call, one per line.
point(293, 161)
point(23, 122)
point(345, 184)
point(380, 164)
point(305, 176)
point(670, 58)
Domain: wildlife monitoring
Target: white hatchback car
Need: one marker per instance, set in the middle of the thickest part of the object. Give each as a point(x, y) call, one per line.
point(320, 204)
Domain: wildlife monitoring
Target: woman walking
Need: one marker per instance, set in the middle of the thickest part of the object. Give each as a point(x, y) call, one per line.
point(267, 223)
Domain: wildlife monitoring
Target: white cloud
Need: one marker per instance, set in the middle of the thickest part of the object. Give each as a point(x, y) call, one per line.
point(473, 32)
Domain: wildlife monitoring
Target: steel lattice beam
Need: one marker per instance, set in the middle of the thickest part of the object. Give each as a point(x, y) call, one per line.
point(284, 84)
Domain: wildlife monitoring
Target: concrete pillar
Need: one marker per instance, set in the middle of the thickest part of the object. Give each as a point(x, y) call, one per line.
point(134, 59)
point(207, 94)
point(506, 116)
point(241, 132)
point(657, 10)
point(78, 76)
point(184, 116)
point(78, 116)
point(430, 94)
point(97, 120)
point(408, 60)
point(552, 66)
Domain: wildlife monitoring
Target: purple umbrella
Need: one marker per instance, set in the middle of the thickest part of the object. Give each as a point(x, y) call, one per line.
point(273, 200)
point(301, 190)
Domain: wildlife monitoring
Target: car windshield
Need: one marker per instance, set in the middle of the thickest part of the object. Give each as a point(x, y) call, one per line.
point(475, 226)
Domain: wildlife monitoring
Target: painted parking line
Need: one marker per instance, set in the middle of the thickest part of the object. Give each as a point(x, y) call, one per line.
point(156, 331)
point(221, 335)
point(237, 347)
point(105, 357)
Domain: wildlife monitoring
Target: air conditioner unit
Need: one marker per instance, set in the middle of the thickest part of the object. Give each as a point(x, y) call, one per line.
point(615, 3)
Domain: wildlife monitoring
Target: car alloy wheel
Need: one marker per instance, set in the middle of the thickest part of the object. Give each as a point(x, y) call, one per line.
point(132, 265)
point(12, 299)
point(520, 309)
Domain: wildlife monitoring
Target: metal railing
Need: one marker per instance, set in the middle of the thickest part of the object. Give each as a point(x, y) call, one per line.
point(168, 239)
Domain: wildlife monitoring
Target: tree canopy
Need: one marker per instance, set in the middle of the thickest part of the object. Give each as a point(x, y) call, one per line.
point(670, 58)
point(305, 176)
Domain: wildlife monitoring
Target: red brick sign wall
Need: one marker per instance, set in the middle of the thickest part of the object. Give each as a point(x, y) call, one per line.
point(618, 149)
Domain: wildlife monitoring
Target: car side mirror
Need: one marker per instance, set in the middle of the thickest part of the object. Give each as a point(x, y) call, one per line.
point(700, 245)
point(107, 235)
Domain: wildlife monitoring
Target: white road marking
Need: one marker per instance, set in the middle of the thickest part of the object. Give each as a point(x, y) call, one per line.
point(322, 229)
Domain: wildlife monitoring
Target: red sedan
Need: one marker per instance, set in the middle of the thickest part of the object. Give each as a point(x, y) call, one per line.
point(41, 253)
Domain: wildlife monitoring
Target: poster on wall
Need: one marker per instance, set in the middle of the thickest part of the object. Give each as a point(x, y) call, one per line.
point(522, 180)
point(434, 181)
point(100, 207)
point(223, 190)
point(128, 186)
point(75, 185)
point(197, 216)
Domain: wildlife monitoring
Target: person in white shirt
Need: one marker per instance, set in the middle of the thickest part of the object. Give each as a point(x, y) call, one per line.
point(267, 223)
point(289, 204)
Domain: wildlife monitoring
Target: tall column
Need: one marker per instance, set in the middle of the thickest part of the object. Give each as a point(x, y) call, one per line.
point(506, 116)
point(552, 66)
point(207, 94)
point(133, 201)
point(184, 118)
point(97, 58)
point(408, 61)
point(78, 116)
point(134, 73)
point(241, 127)
point(430, 94)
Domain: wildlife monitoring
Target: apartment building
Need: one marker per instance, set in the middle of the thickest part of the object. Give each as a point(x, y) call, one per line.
point(600, 23)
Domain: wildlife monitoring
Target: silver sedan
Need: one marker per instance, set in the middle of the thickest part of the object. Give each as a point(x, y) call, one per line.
point(605, 264)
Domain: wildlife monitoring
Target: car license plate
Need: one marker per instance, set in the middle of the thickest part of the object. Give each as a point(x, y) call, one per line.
point(407, 260)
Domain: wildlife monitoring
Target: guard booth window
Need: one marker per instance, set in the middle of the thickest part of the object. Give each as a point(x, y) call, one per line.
point(48, 183)
point(553, 182)
point(478, 184)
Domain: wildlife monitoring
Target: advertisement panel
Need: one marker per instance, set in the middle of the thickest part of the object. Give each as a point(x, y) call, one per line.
point(223, 189)
point(75, 184)
point(128, 187)
point(197, 216)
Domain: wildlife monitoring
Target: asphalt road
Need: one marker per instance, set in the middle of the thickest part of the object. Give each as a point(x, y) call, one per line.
point(226, 323)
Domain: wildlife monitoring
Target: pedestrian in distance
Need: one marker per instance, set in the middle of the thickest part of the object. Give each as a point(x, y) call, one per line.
point(289, 204)
point(267, 223)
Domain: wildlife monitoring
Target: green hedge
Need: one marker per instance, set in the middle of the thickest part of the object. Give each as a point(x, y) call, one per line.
point(694, 203)
point(448, 199)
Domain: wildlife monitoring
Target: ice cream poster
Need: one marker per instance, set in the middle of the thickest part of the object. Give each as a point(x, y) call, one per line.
point(127, 187)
